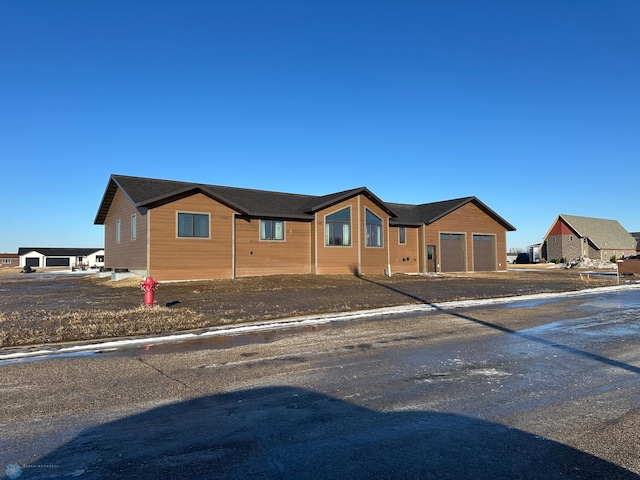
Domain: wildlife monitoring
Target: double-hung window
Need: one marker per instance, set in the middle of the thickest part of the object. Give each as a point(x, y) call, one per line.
point(271, 230)
point(337, 228)
point(193, 225)
point(374, 229)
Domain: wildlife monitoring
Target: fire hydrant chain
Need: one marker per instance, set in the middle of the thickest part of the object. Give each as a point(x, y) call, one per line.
point(148, 287)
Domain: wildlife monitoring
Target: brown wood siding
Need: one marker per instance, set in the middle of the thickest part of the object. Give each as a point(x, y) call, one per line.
point(174, 258)
point(469, 220)
point(331, 260)
point(404, 258)
point(264, 257)
point(374, 260)
point(131, 254)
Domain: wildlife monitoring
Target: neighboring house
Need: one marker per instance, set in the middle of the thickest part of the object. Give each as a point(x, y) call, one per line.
point(9, 260)
point(178, 230)
point(636, 235)
point(571, 236)
point(61, 257)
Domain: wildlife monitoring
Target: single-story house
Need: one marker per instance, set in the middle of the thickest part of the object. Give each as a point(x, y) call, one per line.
point(175, 230)
point(61, 257)
point(571, 236)
point(9, 260)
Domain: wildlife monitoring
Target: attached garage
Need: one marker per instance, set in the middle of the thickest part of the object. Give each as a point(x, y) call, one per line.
point(452, 252)
point(484, 253)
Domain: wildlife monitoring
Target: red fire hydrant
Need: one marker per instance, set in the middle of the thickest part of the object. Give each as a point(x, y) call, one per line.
point(148, 287)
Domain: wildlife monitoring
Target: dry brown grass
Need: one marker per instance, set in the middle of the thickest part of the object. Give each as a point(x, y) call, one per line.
point(85, 324)
point(70, 308)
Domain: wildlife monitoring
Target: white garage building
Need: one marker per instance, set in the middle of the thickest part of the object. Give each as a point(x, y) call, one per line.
point(61, 257)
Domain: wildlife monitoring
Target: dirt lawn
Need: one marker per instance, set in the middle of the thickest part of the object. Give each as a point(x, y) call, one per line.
point(44, 308)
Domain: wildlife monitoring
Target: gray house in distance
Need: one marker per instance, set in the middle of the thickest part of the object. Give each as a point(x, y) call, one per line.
point(571, 236)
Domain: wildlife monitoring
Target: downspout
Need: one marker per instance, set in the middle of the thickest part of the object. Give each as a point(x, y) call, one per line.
point(388, 245)
point(148, 242)
point(313, 255)
point(233, 245)
point(422, 250)
point(359, 240)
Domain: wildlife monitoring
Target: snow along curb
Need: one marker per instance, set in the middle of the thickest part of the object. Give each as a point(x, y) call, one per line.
point(111, 345)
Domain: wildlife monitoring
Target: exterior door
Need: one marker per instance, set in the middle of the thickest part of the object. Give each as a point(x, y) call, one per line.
point(431, 258)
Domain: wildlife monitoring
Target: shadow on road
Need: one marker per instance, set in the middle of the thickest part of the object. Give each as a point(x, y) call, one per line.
point(558, 346)
point(290, 433)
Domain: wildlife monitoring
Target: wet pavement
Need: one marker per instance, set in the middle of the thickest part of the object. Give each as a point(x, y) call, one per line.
point(538, 390)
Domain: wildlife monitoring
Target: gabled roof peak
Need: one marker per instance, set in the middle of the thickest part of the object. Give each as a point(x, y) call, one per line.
point(148, 192)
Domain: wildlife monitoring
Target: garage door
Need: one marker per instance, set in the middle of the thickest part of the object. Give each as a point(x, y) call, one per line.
point(452, 252)
point(58, 262)
point(484, 253)
point(32, 262)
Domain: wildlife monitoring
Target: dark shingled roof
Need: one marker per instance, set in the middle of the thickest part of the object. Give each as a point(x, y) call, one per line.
point(427, 213)
point(602, 233)
point(59, 252)
point(149, 193)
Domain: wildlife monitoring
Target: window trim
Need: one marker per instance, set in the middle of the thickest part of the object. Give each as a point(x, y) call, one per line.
point(193, 214)
point(349, 224)
point(273, 222)
point(380, 234)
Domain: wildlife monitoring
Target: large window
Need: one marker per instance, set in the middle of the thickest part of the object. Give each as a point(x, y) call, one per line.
point(193, 225)
point(271, 230)
point(337, 228)
point(374, 229)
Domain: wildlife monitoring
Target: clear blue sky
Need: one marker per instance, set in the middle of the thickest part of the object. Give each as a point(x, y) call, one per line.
point(533, 107)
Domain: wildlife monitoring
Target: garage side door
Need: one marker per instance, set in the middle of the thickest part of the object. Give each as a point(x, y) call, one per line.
point(452, 252)
point(484, 253)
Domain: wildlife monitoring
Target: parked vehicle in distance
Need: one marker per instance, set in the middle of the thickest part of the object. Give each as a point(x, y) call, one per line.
point(522, 258)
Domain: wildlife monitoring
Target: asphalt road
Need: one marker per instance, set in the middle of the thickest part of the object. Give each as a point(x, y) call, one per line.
point(526, 391)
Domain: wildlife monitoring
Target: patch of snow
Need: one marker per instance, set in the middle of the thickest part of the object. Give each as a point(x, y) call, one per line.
point(110, 345)
point(585, 263)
